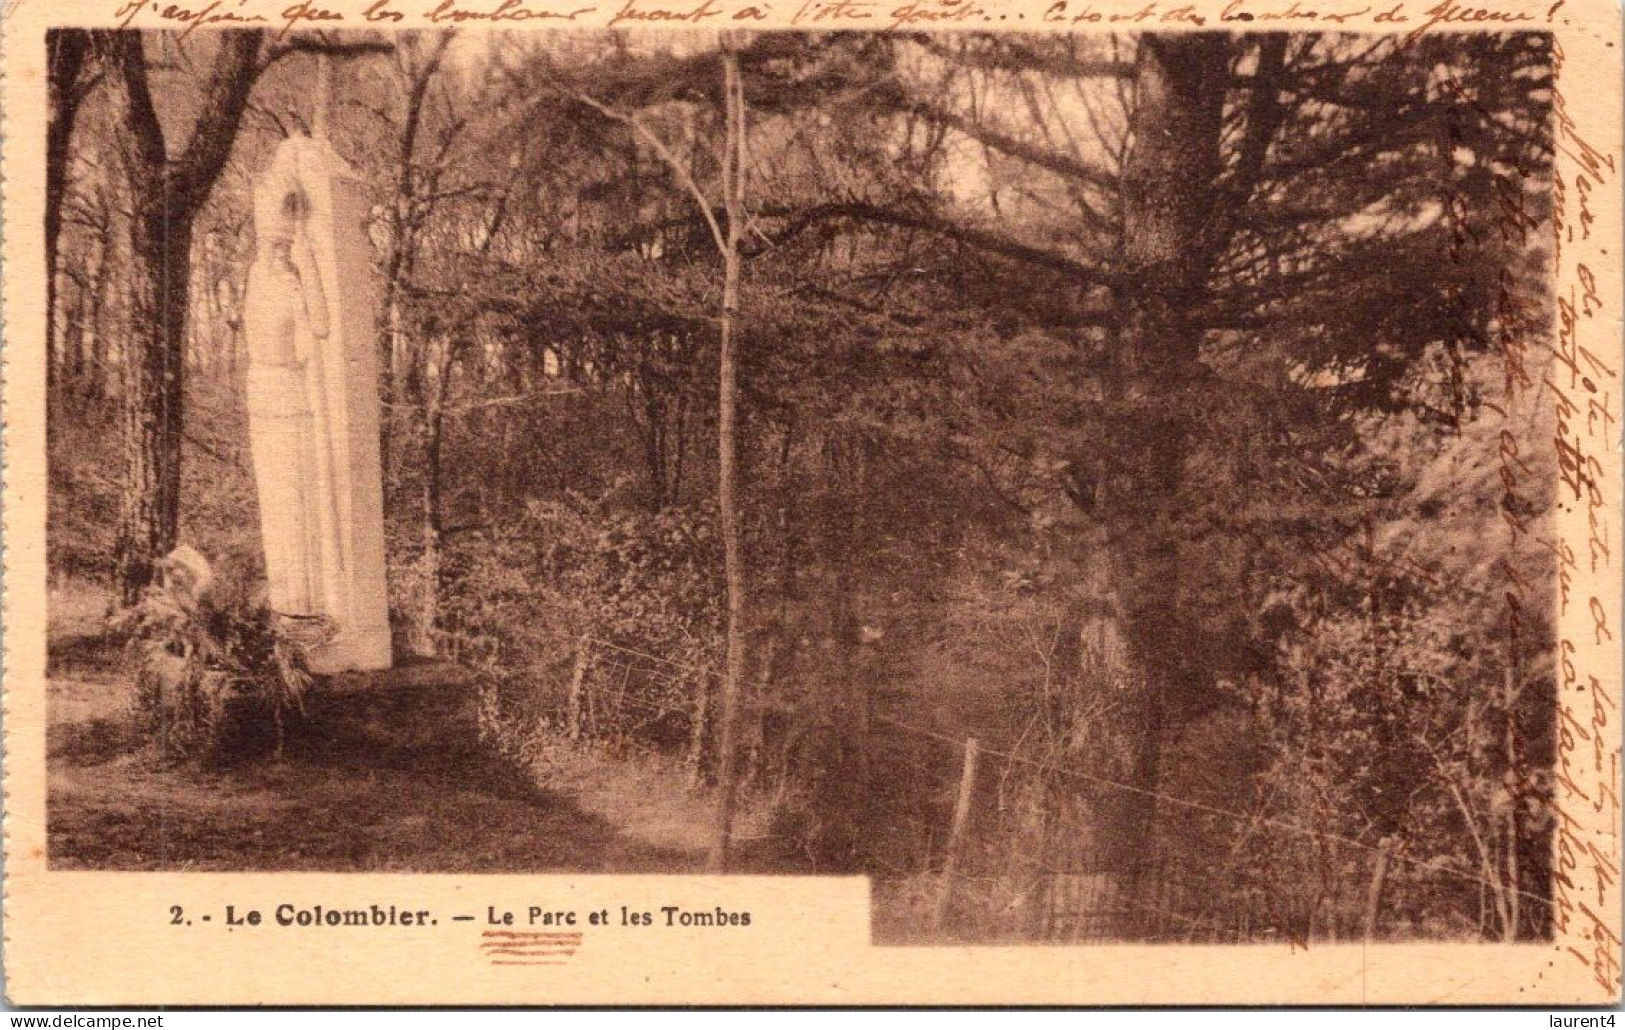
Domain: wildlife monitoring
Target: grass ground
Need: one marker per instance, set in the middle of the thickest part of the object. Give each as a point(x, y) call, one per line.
point(387, 775)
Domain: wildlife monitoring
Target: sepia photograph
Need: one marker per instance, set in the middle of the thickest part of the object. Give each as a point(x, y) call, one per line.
point(1098, 487)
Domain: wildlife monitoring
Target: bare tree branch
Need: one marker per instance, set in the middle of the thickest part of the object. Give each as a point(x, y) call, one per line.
point(321, 45)
point(679, 168)
point(979, 239)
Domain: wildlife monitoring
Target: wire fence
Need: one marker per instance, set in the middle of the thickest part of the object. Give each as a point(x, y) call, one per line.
point(1024, 848)
point(1021, 851)
point(1038, 840)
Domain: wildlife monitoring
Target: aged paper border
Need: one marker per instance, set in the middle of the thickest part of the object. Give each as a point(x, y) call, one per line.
point(86, 938)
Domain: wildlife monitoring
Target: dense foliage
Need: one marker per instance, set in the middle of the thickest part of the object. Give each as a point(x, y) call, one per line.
point(1130, 404)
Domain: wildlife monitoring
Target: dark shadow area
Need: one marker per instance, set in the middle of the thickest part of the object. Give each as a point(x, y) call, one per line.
point(386, 773)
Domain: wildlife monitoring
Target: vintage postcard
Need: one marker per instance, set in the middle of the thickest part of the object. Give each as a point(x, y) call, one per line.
point(1094, 502)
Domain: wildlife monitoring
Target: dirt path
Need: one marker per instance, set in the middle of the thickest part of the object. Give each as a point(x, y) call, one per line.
point(388, 777)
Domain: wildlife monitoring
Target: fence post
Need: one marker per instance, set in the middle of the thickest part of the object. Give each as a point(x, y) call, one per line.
point(1373, 896)
point(578, 678)
point(967, 785)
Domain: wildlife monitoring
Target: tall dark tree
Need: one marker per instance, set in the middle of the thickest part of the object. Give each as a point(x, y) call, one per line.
point(70, 79)
point(168, 187)
point(1170, 195)
point(1263, 195)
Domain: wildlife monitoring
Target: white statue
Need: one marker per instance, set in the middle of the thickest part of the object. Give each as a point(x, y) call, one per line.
point(310, 311)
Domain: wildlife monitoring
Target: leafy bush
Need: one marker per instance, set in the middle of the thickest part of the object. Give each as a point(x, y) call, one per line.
point(592, 618)
point(215, 667)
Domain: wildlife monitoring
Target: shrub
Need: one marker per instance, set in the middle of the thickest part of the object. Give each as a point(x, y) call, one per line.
point(215, 667)
point(590, 617)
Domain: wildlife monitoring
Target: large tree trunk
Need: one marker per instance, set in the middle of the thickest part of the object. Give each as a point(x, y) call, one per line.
point(167, 195)
point(1170, 196)
point(154, 391)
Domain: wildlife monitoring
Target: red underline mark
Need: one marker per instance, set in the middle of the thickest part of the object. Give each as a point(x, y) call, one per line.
point(529, 947)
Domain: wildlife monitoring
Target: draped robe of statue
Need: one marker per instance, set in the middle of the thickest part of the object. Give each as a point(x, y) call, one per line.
point(311, 308)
